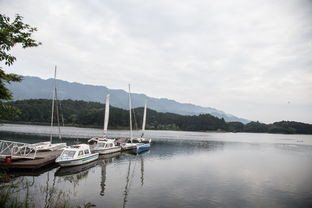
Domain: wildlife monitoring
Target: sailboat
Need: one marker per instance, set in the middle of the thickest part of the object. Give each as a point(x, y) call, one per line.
point(103, 145)
point(129, 144)
point(142, 139)
point(48, 146)
point(133, 145)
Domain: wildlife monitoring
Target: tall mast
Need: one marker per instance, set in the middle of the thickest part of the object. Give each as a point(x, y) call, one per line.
point(57, 102)
point(130, 114)
point(106, 117)
point(144, 119)
point(52, 113)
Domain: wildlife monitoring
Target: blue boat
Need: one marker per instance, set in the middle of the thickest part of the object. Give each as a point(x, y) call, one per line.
point(141, 147)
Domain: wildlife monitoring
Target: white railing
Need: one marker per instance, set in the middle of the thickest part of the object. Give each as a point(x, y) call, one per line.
point(17, 150)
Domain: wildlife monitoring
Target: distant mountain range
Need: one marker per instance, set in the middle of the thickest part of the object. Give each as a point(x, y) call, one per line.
point(35, 87)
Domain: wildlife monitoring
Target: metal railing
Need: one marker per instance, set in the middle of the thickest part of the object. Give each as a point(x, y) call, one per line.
point(17, 150)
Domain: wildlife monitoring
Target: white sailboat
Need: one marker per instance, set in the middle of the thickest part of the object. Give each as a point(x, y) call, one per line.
point(129, 145)
point(142, 139)
point(136, 145)
point(103, 145)
point(49, 146)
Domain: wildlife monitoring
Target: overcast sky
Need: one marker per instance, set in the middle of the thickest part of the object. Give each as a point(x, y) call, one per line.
point(249, 58)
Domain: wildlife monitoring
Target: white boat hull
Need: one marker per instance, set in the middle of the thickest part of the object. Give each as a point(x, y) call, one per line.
point(108, 150)
point(128, 146)
point(142, 140)
point(78, 161)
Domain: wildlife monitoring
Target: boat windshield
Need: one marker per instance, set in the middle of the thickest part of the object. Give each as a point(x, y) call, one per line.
point(68, 153)
point(101, 144)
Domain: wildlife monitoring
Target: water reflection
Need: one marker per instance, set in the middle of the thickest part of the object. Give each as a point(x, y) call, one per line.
point(126, 191)
point(74, 171)
point(104, 160)
point(187, 173)
point(103, 163)
point(142, 170)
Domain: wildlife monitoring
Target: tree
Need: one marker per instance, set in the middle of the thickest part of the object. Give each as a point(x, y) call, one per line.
point(11, 34)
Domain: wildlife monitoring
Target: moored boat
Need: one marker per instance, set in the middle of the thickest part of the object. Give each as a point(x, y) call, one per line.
point(103, 145)
point(142, 139)
point(48, 145)
point(141, 147)
point(76, 155)
point(136, 144)
point(128, 146)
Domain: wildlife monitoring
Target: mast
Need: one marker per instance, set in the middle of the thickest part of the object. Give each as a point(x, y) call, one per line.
point(58, 115)
point(106, 117)
point(53, 104)
point(144, 119)
point(130, 114)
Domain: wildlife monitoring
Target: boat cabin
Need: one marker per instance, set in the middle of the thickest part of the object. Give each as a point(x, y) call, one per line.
point(76, 151)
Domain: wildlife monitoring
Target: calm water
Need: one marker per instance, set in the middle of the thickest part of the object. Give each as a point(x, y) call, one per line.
point(182, 169)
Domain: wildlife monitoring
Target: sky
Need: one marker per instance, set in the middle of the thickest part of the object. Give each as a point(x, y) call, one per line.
point(252, 59)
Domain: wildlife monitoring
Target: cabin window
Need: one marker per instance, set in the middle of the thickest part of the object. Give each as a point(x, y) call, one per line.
point(101, 144)
point(109, 145)
point(80, 153)
point(68, 153)
point(86, 151)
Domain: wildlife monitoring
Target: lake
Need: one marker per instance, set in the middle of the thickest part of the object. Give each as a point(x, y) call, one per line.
point(182, 169)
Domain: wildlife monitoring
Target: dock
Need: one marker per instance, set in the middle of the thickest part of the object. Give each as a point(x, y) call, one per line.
point(42, 159)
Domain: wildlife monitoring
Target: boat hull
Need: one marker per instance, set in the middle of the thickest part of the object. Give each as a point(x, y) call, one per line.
point(141, 148)
point(142, 140)
point(107, 150)
point(128, 146)
point(78, 161)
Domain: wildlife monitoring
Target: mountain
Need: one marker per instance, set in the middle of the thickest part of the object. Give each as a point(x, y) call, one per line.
point(34, 88)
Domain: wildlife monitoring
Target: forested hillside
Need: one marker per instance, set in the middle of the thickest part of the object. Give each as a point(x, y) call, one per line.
point(81, 113)
point(37, 88)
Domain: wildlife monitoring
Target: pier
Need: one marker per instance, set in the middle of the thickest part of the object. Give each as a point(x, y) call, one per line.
point(42, 159)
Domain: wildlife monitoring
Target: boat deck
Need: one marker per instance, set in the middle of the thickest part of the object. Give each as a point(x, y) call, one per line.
point(42, 159)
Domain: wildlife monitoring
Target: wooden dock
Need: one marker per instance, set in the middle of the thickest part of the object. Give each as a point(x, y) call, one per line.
point(42, 159)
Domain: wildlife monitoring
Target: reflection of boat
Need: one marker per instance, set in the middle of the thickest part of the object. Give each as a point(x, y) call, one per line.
point(129, 178)
point(103, 161)
point(104, 145)
point(63, 171)
point(32, 172)
point(76, 155)
point(76, 173)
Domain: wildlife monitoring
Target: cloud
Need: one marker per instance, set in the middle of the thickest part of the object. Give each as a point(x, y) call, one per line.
point(236, 56)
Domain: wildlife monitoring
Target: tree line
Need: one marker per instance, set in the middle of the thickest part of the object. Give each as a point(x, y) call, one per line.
point(91, 114)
